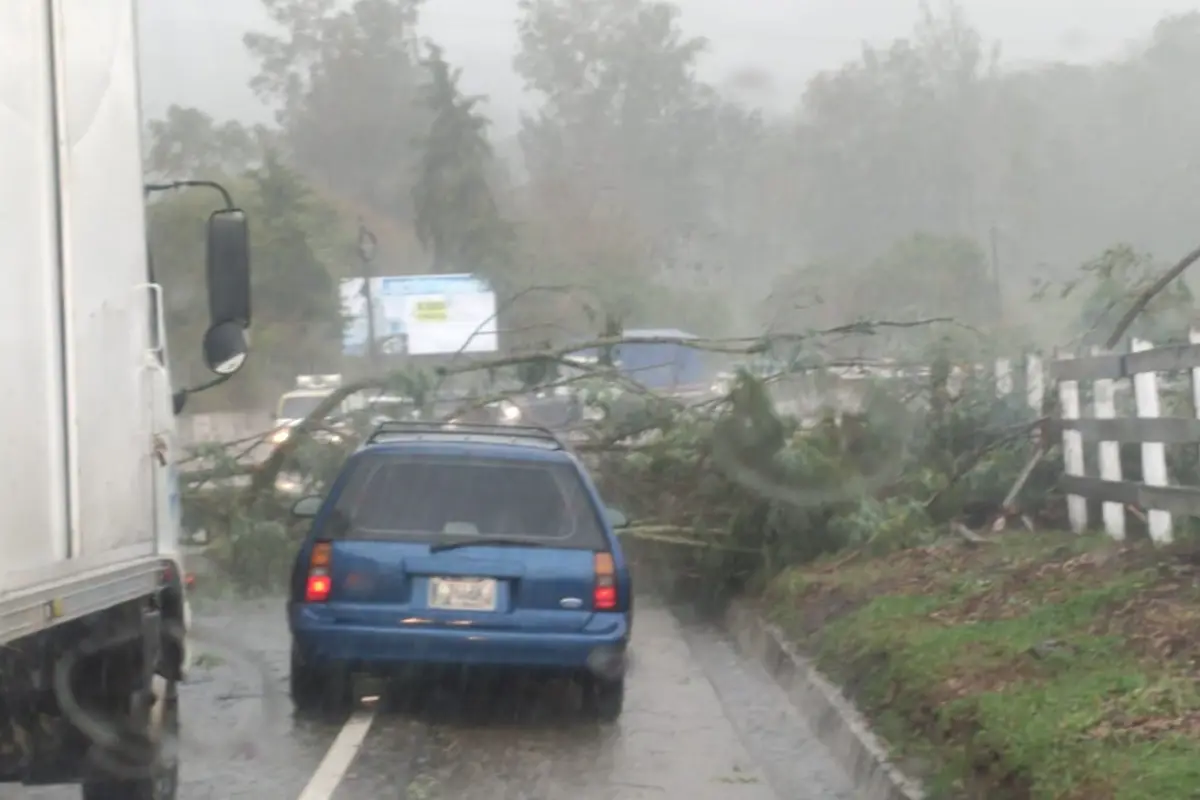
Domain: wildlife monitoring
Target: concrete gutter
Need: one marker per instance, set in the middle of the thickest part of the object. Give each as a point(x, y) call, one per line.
point(835, 721)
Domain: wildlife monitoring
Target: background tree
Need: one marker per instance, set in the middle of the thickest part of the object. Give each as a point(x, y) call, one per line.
point(919, 277)
point(623, 118)
point(616, 198)
point(668, 202)
point(456, 217)
point(345, 82)
point(297, 296)
point(924, 276)
point(1105, 286)
point(1047, 163)
point(188, 143)
point(888, 144)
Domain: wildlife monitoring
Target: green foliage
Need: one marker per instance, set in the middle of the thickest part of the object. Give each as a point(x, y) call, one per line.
point(763, 492)
point(884, 526)
point(257, 549)
point(1025, 668)
point(253, 538)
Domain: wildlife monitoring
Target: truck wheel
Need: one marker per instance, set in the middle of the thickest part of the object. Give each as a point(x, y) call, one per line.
point(155, 773)
point(315, 690)
point(603, 698)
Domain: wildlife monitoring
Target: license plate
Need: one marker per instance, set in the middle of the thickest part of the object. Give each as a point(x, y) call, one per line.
point(463, 594)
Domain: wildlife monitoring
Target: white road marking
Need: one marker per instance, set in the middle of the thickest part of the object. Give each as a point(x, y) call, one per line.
point(337, 761)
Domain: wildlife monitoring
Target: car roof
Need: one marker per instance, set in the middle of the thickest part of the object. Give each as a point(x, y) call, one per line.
point(471, 449)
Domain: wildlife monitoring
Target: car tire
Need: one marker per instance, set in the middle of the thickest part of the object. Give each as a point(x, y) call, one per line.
point(154, 775)
point(603, 699)
point(317, 690)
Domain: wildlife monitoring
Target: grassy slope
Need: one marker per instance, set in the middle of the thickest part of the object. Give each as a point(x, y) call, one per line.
point(1038, 666)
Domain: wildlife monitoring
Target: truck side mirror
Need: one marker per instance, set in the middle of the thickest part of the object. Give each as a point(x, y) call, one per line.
point(226, 342)
point(225, 347)
point(228, 268)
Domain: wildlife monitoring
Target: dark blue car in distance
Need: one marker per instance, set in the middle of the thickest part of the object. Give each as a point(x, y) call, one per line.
point(468, 545)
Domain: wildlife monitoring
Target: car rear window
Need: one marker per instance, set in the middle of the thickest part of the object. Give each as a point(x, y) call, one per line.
point(439, 500)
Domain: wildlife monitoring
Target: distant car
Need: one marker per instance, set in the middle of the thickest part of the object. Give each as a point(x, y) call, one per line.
point(464, 544)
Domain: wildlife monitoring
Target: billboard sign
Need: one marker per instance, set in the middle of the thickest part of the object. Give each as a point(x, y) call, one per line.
point(421, 315)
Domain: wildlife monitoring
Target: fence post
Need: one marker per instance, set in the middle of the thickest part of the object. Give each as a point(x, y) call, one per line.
point(1105, 406)
point(1154, 454)
point(956, 381)
point(1194, 338)
point(1004, 377)
point(1035, 382)
point(1068, 399)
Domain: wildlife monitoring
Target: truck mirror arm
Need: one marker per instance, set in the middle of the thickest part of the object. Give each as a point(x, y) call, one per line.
point(180, 397)
point(171, 186)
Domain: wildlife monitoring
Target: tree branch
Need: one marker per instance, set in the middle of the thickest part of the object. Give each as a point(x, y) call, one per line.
point(1140, 304)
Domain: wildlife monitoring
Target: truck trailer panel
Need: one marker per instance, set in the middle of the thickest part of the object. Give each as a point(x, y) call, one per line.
point(77, 503)
point(110, 374)
point(33, 494)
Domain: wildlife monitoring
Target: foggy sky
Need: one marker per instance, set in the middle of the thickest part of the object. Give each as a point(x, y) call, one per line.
point(192, 52)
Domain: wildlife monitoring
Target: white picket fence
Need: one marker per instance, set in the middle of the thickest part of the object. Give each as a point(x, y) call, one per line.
point(843, 389)
point(1110, 375)
point(1104, 400)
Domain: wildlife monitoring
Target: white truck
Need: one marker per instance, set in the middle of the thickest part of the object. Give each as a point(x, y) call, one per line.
point(93, 614)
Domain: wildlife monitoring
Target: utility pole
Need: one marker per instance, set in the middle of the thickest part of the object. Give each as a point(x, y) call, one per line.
point(366, 253)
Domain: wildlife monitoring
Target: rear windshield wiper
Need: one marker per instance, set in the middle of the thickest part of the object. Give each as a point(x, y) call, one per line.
point(485, 542)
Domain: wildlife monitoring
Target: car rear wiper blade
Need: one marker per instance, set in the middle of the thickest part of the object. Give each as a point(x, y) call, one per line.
point(484, 542)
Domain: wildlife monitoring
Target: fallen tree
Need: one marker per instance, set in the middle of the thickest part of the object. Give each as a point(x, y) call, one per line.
point(725, 490)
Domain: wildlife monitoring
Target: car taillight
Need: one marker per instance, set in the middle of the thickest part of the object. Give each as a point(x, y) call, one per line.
point(604, 595)
point(319, 583)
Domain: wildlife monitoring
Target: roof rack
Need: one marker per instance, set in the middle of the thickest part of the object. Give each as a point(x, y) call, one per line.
point(424, 430)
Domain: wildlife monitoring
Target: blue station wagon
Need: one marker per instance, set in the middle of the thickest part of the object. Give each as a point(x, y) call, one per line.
point(473, 545)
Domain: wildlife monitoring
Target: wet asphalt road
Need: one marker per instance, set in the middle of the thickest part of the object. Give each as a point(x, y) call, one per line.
point(700, 723)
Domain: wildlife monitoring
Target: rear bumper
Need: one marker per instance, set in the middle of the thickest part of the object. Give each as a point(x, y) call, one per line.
point(600, 645)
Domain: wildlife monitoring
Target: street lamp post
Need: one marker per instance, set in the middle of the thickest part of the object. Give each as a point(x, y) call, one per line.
point(367, 245)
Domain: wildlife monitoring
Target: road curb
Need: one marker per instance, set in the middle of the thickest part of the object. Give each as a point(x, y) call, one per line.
point(835, 721)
